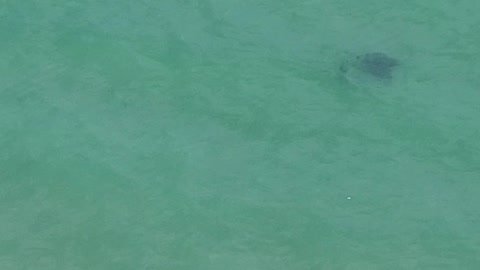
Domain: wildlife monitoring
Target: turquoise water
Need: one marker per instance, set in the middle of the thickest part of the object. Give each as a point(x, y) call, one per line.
point(221, 135)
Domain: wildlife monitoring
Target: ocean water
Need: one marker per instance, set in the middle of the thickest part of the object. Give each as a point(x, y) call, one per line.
point(208, 134)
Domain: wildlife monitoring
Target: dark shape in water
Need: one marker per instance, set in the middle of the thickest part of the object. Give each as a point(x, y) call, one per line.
point(376, 64)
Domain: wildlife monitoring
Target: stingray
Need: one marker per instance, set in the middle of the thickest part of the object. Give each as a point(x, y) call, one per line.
point(377, 64)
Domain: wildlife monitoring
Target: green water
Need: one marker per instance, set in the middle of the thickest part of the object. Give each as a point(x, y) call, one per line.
point(208, 134)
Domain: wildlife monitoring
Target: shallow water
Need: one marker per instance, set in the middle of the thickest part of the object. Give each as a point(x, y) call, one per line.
point(221, 135)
